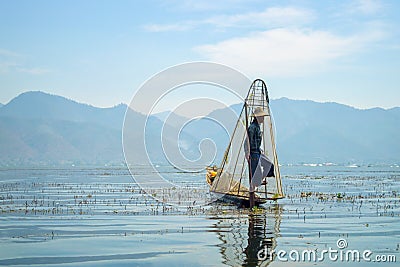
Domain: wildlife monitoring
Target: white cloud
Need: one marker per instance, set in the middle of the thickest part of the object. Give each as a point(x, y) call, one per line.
point(367, 7)
point(8, 53)
point(8, 60)
point(168, 27)
point(34, 71)
point(5, 66)
point(284, 51)
point(13, 62)
point(205, 5)
point(269, 18)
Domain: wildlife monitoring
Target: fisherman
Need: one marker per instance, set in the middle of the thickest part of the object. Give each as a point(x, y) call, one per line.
point(261, 166)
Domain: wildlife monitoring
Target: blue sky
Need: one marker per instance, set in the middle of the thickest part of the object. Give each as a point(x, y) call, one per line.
point(100, 52)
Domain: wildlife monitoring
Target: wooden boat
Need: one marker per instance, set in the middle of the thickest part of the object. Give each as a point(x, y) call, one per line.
point(232, 180)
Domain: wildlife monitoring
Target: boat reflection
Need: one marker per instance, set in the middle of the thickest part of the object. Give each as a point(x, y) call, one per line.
point(247, 239)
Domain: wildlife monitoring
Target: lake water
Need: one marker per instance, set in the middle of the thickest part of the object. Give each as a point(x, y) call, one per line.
point(97, 216)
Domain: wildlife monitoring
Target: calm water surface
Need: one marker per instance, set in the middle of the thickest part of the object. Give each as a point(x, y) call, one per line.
point(99, 217)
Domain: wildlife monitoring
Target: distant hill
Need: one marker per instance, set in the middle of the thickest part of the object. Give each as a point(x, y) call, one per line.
point(39, 128)
point(47, 142)
point(171, 118)
point(308, 131)
point(39, 105)
point(208, 128)
point(395, 111)
point(323, 132)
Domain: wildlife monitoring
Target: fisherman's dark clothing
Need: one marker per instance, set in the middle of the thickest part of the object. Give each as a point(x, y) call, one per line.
point(260, 165)
point(255, 137)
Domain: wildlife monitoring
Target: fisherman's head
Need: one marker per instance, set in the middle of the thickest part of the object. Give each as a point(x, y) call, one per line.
point(259, 113)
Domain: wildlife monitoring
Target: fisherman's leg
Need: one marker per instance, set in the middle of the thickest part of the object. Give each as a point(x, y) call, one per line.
point(256, 173)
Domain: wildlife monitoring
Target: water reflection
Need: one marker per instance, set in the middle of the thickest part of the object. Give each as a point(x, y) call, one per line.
point(245, 237)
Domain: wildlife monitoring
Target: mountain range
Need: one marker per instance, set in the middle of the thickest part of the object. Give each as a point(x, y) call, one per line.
point(37, 128)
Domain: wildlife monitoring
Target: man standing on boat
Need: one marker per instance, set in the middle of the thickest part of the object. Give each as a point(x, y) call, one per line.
point(261, 166)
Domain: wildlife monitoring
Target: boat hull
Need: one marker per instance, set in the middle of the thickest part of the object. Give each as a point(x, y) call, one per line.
point(240, 201)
